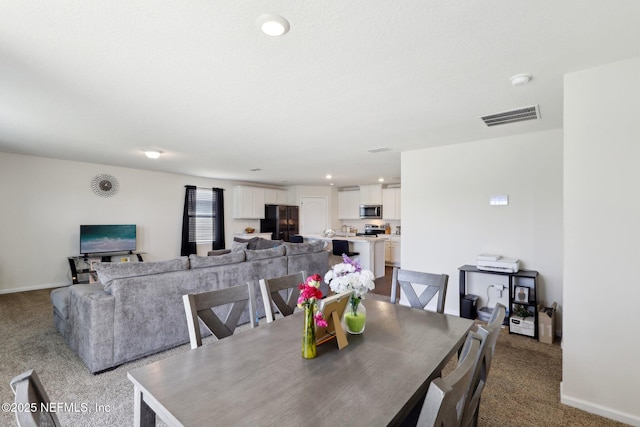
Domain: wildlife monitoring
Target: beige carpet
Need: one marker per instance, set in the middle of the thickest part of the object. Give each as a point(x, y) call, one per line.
point(523, 386)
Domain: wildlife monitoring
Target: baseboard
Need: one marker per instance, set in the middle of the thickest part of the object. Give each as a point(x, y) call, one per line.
point(599, 410)
point(33, 288)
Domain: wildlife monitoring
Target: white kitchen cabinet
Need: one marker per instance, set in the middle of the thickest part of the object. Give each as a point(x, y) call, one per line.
point(248, 202)
point(349, 205)
point(274, 196)
point(371, 194)
point(391, 203)
point(392, 251)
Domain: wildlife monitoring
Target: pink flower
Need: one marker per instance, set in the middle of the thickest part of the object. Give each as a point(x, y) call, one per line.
point(319, 318)
point(309, 293)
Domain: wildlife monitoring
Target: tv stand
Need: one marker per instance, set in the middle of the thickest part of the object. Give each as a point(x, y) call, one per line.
point(82, 266)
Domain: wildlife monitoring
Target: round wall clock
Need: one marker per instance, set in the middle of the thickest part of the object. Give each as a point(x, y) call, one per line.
point(105, 185)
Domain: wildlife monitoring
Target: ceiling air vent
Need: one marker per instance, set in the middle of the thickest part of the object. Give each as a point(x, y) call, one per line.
point(519, 115)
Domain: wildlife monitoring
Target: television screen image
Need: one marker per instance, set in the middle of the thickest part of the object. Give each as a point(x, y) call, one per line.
point(95, 239)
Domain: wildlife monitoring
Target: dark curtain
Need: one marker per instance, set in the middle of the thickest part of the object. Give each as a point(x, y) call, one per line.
point(189, 222)
point(195, 212)
point(218, 218)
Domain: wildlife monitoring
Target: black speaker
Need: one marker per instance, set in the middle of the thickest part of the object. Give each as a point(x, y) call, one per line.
point(469, 307)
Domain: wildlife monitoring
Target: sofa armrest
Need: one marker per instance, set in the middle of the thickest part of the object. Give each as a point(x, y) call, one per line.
point(90, 325)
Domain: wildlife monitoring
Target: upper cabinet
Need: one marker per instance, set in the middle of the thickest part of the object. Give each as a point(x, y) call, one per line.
point(391, 203)
point(248, 202)
point(273, 196)
point(349, 205)
point(371, 194)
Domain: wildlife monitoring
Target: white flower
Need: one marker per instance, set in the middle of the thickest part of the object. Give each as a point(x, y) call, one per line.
point(348, 276)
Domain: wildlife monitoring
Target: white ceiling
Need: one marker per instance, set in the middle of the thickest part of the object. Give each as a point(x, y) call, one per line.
point(98, 81)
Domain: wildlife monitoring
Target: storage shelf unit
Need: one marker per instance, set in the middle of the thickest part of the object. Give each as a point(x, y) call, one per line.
point(523, 278)
point(81, 266)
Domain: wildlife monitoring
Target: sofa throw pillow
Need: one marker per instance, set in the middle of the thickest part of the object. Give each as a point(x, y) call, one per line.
point(109, 271)
point(264, 253)
point(251, 243)
point(217, 252)
point(267, 244)
point(211, 261)
point(304, 248)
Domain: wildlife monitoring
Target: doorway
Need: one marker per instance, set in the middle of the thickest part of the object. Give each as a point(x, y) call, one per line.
point(314, 215)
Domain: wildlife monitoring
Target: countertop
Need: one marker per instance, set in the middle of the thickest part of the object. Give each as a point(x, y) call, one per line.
point(348, 238)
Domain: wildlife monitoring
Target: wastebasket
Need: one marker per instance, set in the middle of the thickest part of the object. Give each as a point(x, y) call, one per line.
point(469, 306)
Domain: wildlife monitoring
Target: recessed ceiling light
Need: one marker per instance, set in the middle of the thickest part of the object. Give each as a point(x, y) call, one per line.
point(152, 154)
point(380, 179)
point(520, 79)
point(328, 176)
point(273, 25)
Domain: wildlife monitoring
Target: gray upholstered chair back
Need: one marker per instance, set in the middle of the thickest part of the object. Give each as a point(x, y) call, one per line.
point(435, 284)
point(489, 335)
point(200, 306)
point(281, 292)
point(31, 394)
point(445, 398)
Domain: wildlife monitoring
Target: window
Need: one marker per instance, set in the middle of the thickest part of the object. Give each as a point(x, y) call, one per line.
point(203, 220)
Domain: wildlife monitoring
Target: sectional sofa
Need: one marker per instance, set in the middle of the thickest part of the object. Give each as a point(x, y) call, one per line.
point(136, 309)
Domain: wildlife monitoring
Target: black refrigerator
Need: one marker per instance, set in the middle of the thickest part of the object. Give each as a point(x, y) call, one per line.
point(280, 220)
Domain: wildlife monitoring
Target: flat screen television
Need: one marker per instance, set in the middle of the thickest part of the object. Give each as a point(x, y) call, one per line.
point(97, 239)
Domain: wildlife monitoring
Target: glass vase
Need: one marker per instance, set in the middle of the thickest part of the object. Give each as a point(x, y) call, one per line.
point(309, 334)
point(355, 316)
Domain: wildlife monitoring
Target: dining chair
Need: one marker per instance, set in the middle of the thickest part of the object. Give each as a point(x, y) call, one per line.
point(30, 393)
point(281, 292)
point(342, 247)
point(444, 402)
point(435, 284)
point(200, 306)
point(489, 335)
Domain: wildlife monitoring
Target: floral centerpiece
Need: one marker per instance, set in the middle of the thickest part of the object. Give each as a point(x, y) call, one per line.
point(350, 276)
point(310, 293)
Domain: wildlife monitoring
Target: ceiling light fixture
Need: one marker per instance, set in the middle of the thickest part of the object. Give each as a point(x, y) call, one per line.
point(328, 176)
point(273, 25)
point(520, 79)
point(380, 179)
point(152, 154)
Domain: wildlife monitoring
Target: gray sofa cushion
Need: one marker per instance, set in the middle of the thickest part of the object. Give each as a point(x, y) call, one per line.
point(267, 244)
point(304, 248)
point(210, 261)
point(264, 253)
point(239, 246)
point(109, 271)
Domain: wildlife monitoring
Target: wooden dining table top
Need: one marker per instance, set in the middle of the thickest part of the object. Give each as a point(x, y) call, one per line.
point(258, 377)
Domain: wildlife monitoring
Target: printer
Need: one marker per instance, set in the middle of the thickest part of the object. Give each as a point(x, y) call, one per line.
point(498, 263)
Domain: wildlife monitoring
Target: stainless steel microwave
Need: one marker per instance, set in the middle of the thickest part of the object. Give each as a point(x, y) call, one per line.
point(370, 211)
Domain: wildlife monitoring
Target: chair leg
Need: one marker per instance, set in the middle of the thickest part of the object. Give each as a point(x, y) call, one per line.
point(394, 285)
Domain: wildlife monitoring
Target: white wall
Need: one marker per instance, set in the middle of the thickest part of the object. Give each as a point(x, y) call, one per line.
point(44, 201)
point(601, 347)
point(447, 220)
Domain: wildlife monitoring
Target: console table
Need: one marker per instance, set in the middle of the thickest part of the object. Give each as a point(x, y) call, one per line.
point(522, 279)
point(82, 266)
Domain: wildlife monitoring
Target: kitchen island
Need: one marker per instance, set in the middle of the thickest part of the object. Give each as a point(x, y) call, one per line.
point(371, 250)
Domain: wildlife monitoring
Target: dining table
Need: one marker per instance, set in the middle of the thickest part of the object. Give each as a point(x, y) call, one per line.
point(257, 377)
